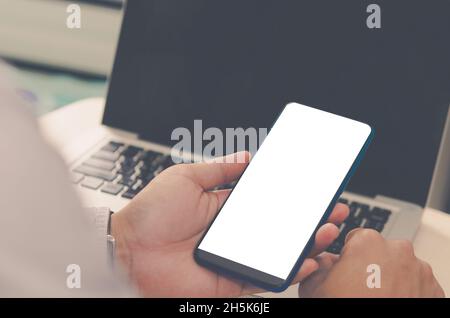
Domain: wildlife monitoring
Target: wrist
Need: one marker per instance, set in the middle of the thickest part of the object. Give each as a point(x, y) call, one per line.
point(119, 230)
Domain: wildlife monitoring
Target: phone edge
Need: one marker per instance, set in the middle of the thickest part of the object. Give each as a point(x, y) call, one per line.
point(309, 245)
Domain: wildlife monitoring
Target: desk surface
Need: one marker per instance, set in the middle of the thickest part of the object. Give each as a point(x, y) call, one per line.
point(432, 242)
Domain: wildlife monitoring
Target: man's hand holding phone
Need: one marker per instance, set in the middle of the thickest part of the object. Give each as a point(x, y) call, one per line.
point(157, 232)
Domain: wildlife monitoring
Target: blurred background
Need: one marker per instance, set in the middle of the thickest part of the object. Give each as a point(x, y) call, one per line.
point(55, 65)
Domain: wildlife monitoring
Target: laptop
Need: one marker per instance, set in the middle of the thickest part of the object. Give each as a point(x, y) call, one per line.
point(237, 63)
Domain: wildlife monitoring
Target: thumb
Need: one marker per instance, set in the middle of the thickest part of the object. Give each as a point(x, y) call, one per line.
point(218, 171)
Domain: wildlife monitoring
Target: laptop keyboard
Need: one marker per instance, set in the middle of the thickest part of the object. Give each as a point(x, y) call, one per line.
point(124, 170)
point(361, 215)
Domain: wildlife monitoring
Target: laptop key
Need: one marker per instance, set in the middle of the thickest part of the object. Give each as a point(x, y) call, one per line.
point(167, 162)
point(354, 222)
point(106, 155)
point(335, 247)
point(379, 215)
point(112, 188)
point(127, 181)
point(112, 146)
point(131, 151)
point(358, 209)
point(158, 170)
point(159, 161)
point(146, 170)
point(149, 155)
point(92, 183)
point(127, 170)
point(137, 185)
point(358, 216)
point(97, 173)
point(147, 177)
point(377, 226)
point(131, 193)
point(146, 181)
point(99, 163)
point(128, 162)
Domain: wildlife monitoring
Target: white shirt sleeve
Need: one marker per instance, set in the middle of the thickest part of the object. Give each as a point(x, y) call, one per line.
point(99, 218)
point(48, 246)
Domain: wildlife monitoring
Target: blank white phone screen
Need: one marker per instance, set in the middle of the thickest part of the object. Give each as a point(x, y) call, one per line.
point(275, 207)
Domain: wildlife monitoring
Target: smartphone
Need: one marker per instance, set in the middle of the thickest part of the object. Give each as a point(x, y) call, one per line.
point(266, 228)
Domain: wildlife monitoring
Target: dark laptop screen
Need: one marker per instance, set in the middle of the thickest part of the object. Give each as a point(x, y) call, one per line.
point(236, 63)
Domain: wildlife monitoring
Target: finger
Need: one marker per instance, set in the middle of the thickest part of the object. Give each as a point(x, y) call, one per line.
point(351, 234)
point(329, 232)
point(326, 260)
point(307, 286)
point(308, 267)
point(219, 171)
point(325, 235)
point(221, 195)
point(339, 214)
